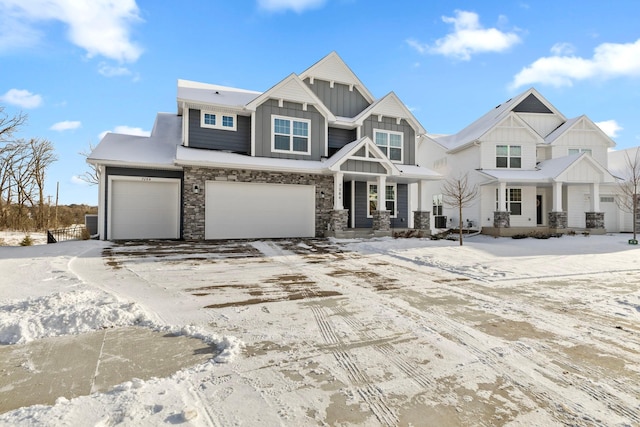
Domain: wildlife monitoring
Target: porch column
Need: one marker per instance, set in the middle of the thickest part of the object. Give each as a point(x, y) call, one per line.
point(557, 217)
point(501, 217)
point(422, 217)
point(381, 216)
point(339, 215)
point(594, 220)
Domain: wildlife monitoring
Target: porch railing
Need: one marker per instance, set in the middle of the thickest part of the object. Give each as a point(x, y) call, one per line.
point(62, 234)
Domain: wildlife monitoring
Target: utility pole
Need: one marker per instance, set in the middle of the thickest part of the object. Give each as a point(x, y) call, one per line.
point(57, 193)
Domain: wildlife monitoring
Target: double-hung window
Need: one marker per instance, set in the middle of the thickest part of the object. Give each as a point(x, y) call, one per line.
point(509, 156)
point(514, 200)
point(291, 135)
point(389, 199)
point(216, 120)
point(390, 143)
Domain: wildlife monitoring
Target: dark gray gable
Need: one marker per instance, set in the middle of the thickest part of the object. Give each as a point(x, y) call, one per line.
point(342, 100)
point(531, 104)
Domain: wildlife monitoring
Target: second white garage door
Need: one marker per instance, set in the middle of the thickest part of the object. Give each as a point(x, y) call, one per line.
point(241, 210)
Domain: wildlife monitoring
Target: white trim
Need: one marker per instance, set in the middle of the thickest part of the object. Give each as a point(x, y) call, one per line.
point(394, 214)
point(388, 146)
point(253, 133)
point(291, 120)
point(113, 178)
point(102, 183)
point(185, 126)
point(219, 118)
point(353, 204)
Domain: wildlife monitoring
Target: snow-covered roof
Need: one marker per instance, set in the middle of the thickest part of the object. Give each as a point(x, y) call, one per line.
point(155, 151)
point(215, 95)
point(618, 161)
point(561, 130)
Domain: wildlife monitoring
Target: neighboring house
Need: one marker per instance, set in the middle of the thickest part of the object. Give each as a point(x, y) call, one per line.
point(535, 170)
point(314, 155)
point(621, 164)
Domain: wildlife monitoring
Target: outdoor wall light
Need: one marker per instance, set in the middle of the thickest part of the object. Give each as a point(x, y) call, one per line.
point(322, 194)
point(196, 188)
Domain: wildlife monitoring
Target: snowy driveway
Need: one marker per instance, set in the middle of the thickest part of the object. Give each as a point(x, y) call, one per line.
point(374, 332)
point(411, 332)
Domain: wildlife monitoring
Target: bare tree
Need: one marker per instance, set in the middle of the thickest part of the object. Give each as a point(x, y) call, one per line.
point(458, 193)
point(42, 154)
point(9, 125)
point(92, 176)
point(628, 195)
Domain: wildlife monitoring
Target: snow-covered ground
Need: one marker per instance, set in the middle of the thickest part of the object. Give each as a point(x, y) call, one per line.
point(352, 332)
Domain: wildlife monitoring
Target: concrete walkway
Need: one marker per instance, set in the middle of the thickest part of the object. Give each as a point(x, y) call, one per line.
point(41, 371)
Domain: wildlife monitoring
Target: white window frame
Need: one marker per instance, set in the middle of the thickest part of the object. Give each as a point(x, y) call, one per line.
point(509, 201)
point(579, 150)
point(388, 147)
point(291, 120)
point(394, 213)
point(219, 120)
point(509, 156)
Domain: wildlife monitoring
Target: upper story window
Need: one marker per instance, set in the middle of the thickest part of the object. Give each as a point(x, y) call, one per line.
point(579, 150)
point(216, 120)
point(509, 156)
point(290, 135)
point(390, 143)
point(389, 199)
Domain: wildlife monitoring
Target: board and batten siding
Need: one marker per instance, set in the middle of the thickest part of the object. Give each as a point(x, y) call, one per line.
point(338, 138)
point(582, 137)
point(543, 124)
point(353, 165)
point(238, 141)
point(388, 123)
point(362, 200)
point(339, 100)
point(264, 123)
point(506, 136)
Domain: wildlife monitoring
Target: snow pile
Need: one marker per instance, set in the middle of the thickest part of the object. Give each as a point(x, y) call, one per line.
point(67, 313)
point(228, 346)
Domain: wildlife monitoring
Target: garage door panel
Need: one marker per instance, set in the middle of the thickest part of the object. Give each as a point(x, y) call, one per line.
point(145, 209)
point(259, 210)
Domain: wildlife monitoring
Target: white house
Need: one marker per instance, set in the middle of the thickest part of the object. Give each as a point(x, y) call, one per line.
point(535, 170)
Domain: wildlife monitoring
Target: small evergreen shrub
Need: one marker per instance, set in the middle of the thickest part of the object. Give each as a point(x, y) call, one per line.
point(27, 241)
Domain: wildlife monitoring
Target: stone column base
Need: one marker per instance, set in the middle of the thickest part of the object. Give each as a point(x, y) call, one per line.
point(339, 219)
point(594, 220)
point(381, 220)
point(422, 220)
point(501, 219)
point(558, 220)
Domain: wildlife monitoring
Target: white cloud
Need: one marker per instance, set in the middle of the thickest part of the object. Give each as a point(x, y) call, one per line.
point(297, 6)
point(66, 125)
point(101, 27)
point(610, 127)
point(559, 49)
point(109, 71)
point(127, 130)
point(468, 38)
point(22, 98)
point(610, 60)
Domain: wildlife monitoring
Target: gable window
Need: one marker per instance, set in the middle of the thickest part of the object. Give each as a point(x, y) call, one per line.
point(216, 120)
point(514, 201)
point(389, 199)
point(579, 150)
point(390, 143)
point(290, 135)
point(509, 156)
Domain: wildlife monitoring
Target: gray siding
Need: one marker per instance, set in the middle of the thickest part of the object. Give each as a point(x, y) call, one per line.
point(387, 123)
point(264, 123)
point(531, 104)
point(339, 100)
point(362, 166)
point(338, 138)
point(153, 173)
point(362, 199)
point(238, 141)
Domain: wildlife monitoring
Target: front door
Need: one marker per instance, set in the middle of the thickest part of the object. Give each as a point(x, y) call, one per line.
point(539, 209)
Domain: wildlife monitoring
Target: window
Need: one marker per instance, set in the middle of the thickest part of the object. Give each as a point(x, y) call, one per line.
point(514, 201)
point(389, 199)
point(215, 120)
point(437, 205)
point(579, 150)
point(290, 135)
point(390, 143)
point(607, 199)
point(508, 156)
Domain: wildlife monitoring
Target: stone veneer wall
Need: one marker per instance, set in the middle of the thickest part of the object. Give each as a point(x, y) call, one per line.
point(502, 219)
point(339, 219)
point(558, 220)
point(193, 203)
point(594, 220)
point(422, 220)
point(381, 220)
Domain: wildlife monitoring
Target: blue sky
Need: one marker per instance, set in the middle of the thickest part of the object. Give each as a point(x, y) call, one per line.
point(79, 68)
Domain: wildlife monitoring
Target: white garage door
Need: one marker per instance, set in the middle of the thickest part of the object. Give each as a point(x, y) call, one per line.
point(144, 208)
point(239, 210)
